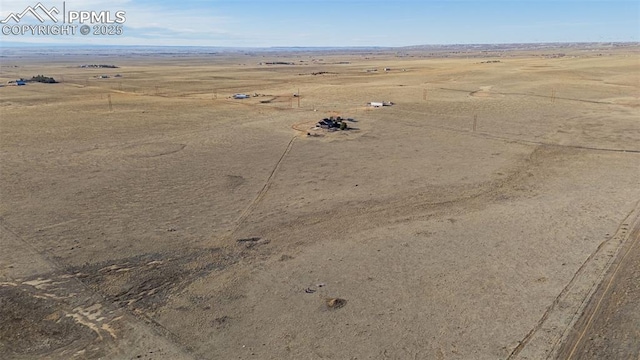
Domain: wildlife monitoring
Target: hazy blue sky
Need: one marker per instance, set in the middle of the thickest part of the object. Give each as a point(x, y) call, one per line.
point(349, 23)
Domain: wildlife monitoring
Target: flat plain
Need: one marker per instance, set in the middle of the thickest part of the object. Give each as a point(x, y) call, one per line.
point(492, 212)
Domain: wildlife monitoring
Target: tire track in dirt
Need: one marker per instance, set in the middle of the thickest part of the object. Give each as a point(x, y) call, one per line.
point(347, 216)
point(449, 199)
point(261, 194)
point(533, 95)
point(486, 135)
point(609, 300)
point(551, 331)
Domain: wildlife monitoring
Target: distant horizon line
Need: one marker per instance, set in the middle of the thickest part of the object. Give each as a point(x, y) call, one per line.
point(11, 44)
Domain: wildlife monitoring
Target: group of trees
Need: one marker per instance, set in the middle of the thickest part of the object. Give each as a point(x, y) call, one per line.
point(43, 79)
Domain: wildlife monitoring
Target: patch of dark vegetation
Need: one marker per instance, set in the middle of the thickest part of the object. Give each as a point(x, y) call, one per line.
point(221, 322)
point(31, 326)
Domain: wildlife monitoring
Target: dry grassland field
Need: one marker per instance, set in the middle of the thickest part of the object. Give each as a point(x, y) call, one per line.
point(492, 212)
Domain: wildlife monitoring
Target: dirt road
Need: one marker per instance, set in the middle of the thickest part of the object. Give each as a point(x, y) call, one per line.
point(610, 324)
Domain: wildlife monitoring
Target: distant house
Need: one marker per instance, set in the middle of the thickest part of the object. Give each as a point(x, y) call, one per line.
point(241, 96)
point(380, 103)
point(21, 82)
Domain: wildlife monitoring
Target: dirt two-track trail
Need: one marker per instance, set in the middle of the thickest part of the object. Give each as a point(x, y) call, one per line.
point(609, 327)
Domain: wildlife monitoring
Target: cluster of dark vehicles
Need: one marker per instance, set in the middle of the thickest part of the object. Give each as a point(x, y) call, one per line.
point(336, 123)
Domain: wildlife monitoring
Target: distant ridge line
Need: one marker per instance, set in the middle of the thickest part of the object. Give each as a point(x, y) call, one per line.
point(497, 46)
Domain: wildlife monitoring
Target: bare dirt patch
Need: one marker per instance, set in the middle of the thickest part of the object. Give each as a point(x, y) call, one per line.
point(33, 324)
point(142, 283)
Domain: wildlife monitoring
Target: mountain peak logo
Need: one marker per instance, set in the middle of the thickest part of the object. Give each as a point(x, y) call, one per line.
point(36, 12)
point(64, 23)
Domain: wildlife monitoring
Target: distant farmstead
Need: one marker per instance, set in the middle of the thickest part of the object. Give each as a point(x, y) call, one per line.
point(380, 103)
point(332, 123)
